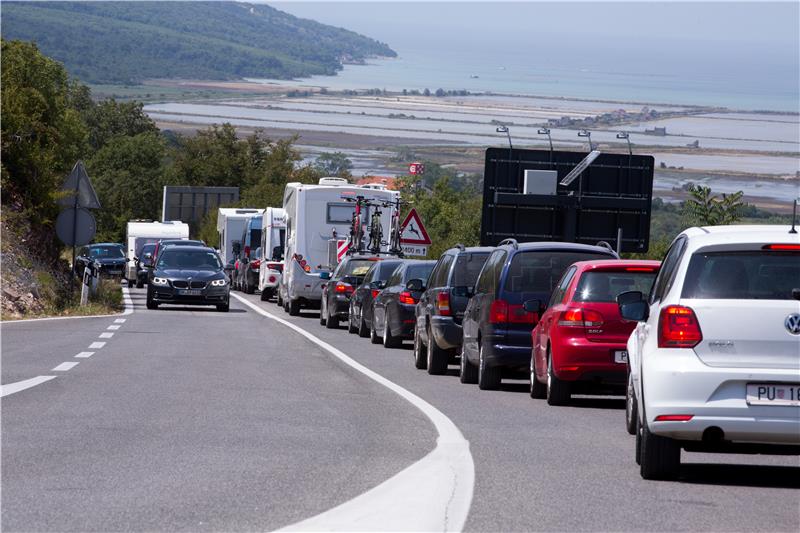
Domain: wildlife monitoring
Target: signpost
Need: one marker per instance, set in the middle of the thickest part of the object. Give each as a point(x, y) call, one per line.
point(414, 239)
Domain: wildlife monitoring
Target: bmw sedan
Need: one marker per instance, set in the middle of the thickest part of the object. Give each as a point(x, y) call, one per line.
point(188, 275)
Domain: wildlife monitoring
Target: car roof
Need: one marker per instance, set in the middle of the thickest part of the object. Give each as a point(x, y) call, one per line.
point(559, 246)
point(418, 261)
point(608, 264)
point(752, 233)
point(192, 247)
point(105, 244)
point(471, 249)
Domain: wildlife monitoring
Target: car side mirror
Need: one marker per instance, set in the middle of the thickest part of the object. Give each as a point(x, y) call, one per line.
point(633, 307)
point(416, 285)
point(533, 306)
point(324, 275)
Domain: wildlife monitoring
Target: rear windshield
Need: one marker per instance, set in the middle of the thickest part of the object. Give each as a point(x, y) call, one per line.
point(356, 267)
point(467, 268)
point(605, 286)
point(148, 249)
point(756, 275)
point(419, 271)
point(188, 259)
point(539, 271)
point(385, 269)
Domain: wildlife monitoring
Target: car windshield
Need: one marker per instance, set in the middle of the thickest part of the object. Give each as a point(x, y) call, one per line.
point(756, 275)
point(600, 286)
point(419, 271)
point(106, 252)
point(467, 268)
point(539, 270)
point(188, 259)
point(148, 249)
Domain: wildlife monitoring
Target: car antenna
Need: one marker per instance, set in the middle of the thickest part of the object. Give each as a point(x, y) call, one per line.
point(794, 217)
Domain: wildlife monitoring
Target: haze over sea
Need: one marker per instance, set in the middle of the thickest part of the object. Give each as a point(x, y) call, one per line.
point(737, 55)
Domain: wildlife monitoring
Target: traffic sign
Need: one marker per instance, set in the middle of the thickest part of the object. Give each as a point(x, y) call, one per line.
point(341, 249)
point(415, 250)
point(79, 187)
point(412, 230)
point(75, 227)
point(416, 169)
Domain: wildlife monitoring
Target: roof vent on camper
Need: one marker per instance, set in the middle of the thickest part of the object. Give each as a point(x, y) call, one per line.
point(374, 186)
point(246, 211)
point(333, 181)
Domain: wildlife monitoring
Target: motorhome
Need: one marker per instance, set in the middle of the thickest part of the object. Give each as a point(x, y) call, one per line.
point(273, 239)
point(315, 215)
point(231, 222)
point(141, 232)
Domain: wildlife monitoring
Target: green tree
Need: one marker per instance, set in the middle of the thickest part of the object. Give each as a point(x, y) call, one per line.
point(703, 208)
point(334, 164)
point(110, 118)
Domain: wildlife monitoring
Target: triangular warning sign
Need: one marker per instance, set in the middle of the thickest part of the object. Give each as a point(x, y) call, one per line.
point(412, 231)
point(79, 188)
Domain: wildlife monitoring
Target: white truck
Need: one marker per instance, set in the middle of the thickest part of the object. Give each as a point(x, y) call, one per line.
point(231, 222)
point(273, 239)
point(314, 213)
point(141, 232)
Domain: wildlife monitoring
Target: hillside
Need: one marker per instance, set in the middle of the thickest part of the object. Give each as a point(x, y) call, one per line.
point(126, 42)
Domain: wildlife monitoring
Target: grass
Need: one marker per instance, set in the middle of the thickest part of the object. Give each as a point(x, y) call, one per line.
point(107, 301)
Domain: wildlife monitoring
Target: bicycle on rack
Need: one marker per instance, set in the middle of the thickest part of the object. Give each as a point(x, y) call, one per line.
point(356, 226)
point(375, 230)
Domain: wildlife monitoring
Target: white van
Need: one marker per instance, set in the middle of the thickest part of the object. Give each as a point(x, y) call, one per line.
point(273, 239)
point(231, 222)
point(313, 214)
point(141, 232)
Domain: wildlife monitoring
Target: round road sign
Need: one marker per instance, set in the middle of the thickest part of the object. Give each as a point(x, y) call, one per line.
point(79, 223)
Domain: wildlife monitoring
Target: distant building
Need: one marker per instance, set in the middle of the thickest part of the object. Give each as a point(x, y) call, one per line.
point(658, 132)
point(389, 181)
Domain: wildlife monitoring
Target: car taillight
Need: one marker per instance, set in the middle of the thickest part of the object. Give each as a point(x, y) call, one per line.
point(581, 318)
point(255, 263)
point(375, 293)
point(406, 298)
point(343, 288)
point(302, 262)
point(674, 418)
point(640, 269)
point(501, 312)
point(443, 303)
point(782, 247)
point(678, 328)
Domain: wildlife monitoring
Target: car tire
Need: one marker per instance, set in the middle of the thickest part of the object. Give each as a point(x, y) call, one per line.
point(323, 320)
point(638, 452)
point(538, 389)
point(279, 300)
point(294, 307)
point(437, 358)
point(660, 457)
point(331, 322)
point(249, 289)
point(631, 409)
point(558, 392)
point(363, 330)
point(389, 340)
point(151, 304)
point(352, 328)
point(488, 377)
point(139, 284)
point(130, 284)
point(373, 335)
point(224, 308)
point(266, 294)
point(420, 353)
point(468, 373)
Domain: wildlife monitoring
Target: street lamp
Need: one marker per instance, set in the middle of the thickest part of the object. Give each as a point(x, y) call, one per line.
point(624, 135)
point(546, 131)
point(588, 135)
point(504, 129)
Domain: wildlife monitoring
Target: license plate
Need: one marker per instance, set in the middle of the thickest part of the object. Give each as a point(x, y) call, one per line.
point(190, 292)
point(621, 356)
point(773, 394)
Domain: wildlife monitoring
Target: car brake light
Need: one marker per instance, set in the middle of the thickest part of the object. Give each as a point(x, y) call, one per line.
point(640, 269)
point(782, 247)
point(406, 298)
point(443, 303)
point(501, 312)
point(255, 263)
point(581, 318)
point(343, 288)
point(375, 293)
point(678, 328)
point(674, 418)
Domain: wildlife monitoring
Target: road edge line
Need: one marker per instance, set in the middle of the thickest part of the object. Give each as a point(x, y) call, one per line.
point(19, 386)
point(126, 299)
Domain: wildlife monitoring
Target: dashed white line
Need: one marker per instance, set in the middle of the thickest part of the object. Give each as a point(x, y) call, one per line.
point(120, 320)
point(112, 326)
point(11, 388)
point(63, 367)
point(96, 345)
point(106, 335)
point(85, 354)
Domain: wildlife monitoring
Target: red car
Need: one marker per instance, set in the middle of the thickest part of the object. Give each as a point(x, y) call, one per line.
point(579, 344)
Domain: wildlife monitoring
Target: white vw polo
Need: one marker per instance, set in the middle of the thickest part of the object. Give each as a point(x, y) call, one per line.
point(715, 356)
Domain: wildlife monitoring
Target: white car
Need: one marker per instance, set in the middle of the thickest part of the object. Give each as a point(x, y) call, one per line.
point(715, 356)
point(269, 279)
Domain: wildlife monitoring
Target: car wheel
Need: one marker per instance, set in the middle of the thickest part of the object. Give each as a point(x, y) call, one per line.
point(363, 330)
point(331, 322)
point(224, 308)
point(139, 284)
point(630, 407)
point(437, 358)
point(420, 353)
point(557, 390)
point(151, 304)
point(638, 452)
point(249, 289)
point(294, 307)
point(323, 320)
point(467, 373)
point(660, 456)
point(373, 335)
point(538, 389)
point(266, 294)
point(488, 377)
point(389, 340)
point(279, 300)
point(351, 326)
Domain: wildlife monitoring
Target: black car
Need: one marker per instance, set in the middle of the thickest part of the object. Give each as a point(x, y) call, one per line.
point(340, 286)
point(393, 308)
point(359, 318)
point(440, 310)
point(144, 264)
point(110, 257)
point(188, 275)
point(512, 288)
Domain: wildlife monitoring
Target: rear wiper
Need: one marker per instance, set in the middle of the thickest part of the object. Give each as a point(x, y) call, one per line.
point(796, 294)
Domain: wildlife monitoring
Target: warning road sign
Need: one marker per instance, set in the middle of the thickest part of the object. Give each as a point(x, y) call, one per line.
point(412, 231)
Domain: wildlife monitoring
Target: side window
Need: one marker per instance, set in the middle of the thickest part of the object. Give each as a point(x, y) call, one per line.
point(338, 272)
point(498, 269)
point(435, 272)
point(487, 281)
point(561, 289)
point(669, 269)
point(396, 278)
point(370, 274)
point(444, 271)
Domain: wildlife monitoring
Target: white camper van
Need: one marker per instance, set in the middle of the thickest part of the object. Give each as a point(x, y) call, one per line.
point(139, 233)
point(230, 226)
point(273, 239)
point(313, 213)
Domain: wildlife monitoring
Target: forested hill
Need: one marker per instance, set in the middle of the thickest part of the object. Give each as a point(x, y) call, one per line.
point(126, 42)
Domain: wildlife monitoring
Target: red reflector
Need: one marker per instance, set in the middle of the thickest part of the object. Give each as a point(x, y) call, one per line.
point(406, 298)
point(272, 279)
point(443, 303)
point(678, 328)
point(674, 418)
point(569, 368)
point(782, 247)
point(640, 269)
point(343, 287)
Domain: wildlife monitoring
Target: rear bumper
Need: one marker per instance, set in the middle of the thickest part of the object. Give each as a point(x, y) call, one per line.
point(579, 359)
point(517, 358)
point(403, 324)
point(446, 333)
point(340, 307)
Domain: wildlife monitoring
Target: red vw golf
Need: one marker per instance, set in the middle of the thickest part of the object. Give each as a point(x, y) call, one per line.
point(579, 343)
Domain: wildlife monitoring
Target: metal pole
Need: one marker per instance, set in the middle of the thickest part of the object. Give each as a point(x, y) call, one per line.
point(74, 230)
point(619, 241)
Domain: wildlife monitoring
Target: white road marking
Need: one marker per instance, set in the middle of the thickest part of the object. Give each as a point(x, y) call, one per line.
point(112, 326)
point(433, 494)
point(63, 367)
point(11, 388)
point(120, 320)
point(106, 335)
point(96, 345)
point(126, 297)
point(85, 354)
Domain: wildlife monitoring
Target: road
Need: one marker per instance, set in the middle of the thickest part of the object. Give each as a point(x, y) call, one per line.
point(190, 419)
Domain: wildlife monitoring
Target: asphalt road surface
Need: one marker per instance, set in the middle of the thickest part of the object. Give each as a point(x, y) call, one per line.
point(189, 419)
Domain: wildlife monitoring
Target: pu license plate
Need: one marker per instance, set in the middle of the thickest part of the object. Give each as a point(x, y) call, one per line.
point(773, 394)
point(190, 292)
point(621, 356)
